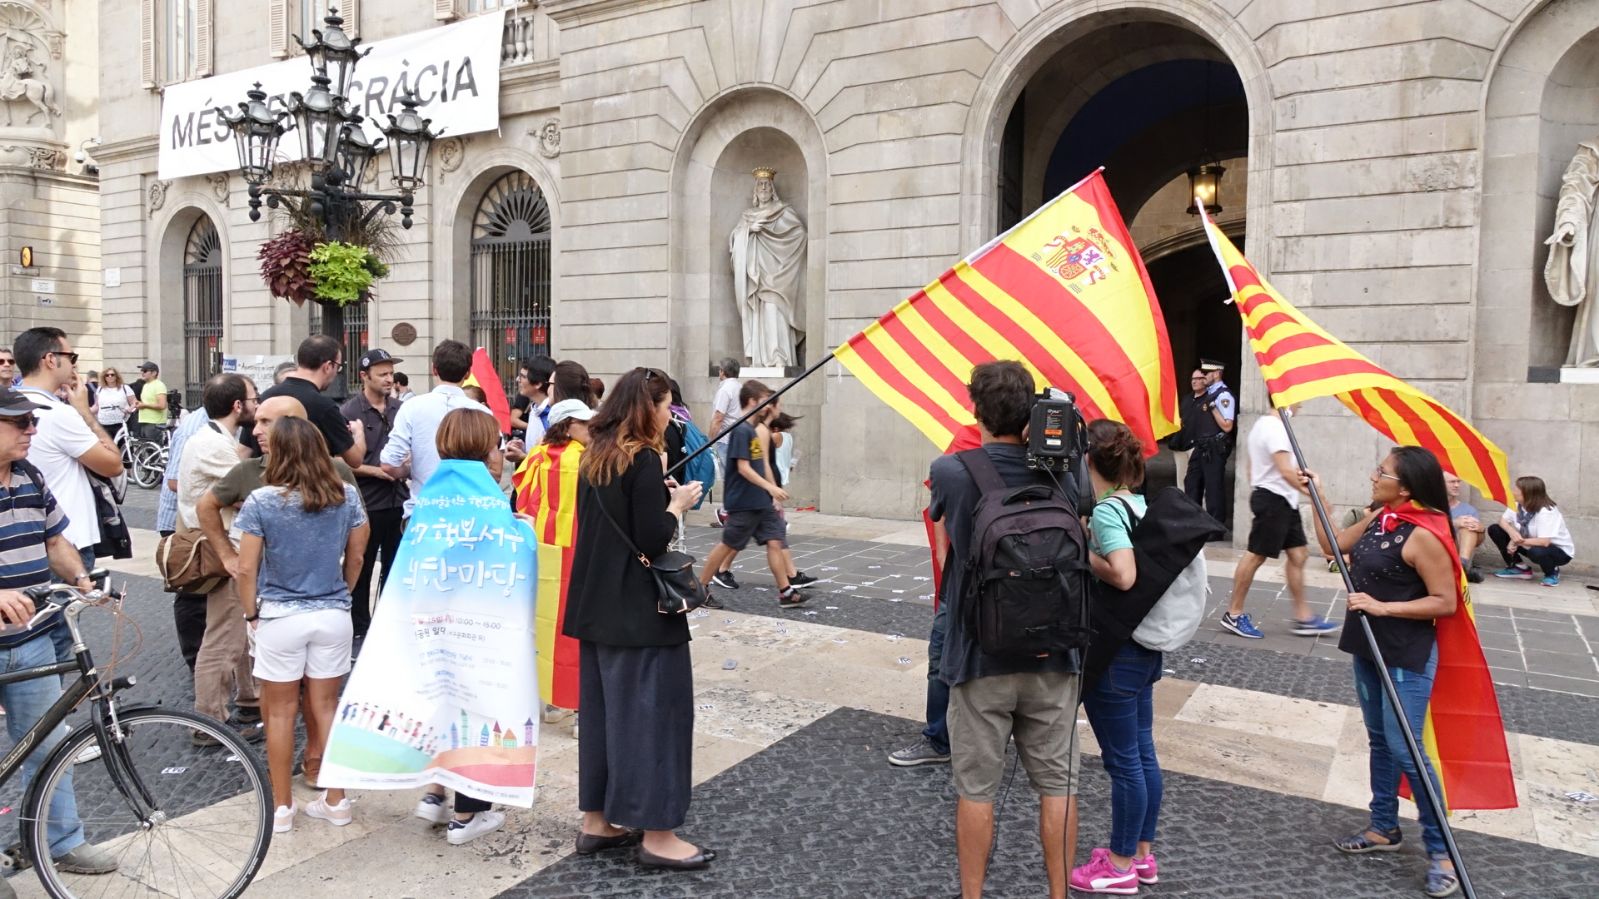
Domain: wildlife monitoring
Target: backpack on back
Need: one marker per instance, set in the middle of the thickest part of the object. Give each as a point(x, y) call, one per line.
point(1165, 605)
point(1027, 578)
point(703, 467)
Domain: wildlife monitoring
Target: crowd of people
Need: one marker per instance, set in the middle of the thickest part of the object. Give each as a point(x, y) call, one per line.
point(305, 500)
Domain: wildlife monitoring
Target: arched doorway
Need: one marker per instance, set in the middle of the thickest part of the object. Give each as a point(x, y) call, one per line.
point(202, 308)
point(509, 312)
point(1148, 118)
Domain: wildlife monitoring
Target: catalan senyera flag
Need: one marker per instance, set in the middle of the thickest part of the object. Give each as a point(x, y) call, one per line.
point(1464, 735)
point(485, 375)
point(546, 488)
point(1064, 293)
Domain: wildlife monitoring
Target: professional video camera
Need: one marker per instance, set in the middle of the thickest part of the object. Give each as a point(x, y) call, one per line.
point(1057, 438)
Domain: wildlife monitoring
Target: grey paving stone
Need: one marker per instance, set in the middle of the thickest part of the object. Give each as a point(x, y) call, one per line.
point(784, 828)
point(1567, 685)
point(1561, 663)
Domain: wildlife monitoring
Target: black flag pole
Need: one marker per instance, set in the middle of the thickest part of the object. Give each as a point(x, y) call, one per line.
point(1392, 692)
point(747, 415)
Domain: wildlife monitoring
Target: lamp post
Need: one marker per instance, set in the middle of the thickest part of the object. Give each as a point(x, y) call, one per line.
point(334, 144)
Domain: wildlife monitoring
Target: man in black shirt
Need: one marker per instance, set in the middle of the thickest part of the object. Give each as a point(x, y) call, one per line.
point(318, 361)
point(994, 698)
point(750, 497)
point(384, 496)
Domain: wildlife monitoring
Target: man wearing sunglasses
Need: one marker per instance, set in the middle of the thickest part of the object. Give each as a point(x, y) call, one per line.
point(70, 442)
point(318, 361)
point(36, 552)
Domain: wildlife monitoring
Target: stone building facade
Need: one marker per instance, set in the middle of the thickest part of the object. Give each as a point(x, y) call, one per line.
point(1391, 166)
point(49, 202)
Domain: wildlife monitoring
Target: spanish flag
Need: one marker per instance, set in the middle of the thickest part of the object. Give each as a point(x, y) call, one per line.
point(1064, 292)
point(546, 488)
point(1464, 736)
point(486, 377)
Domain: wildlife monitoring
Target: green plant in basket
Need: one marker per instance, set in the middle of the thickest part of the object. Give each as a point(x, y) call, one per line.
point(344, 272)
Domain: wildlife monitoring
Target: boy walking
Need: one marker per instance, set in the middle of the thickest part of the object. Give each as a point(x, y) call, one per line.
point(750, 497)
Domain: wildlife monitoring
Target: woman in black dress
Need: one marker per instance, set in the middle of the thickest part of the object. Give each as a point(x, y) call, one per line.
point(1405, 578)
point(636, 720)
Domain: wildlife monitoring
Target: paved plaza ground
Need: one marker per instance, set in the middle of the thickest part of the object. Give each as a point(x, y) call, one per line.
point(1261, 741)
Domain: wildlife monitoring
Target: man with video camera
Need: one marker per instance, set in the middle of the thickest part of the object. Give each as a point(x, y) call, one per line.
point(1000, 689)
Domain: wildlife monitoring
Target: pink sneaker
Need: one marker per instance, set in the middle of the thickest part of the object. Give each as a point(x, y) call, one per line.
point(1100, 876)
point(1148, 871)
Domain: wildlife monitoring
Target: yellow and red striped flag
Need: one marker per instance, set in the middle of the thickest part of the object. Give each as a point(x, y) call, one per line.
point(1064, 293)
point(545, 486)
point(1300, 361)
point(486, 377)
point(1464, 735)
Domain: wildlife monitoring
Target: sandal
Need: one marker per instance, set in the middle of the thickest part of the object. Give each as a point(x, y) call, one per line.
point(1355, 844)
point(1441, 881)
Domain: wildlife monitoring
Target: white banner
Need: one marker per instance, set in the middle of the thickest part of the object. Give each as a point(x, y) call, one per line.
point(455, 71)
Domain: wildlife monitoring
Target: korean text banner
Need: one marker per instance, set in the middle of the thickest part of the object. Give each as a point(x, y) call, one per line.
point(446, 690)
point(454, 70)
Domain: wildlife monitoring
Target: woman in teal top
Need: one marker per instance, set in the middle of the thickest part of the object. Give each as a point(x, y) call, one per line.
point(1120, 705)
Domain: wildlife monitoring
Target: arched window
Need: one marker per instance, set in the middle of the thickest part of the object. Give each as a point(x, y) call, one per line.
point(202, 309)
point(510, 290)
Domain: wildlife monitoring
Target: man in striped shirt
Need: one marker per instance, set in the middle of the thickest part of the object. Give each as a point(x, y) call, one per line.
point(34, 550)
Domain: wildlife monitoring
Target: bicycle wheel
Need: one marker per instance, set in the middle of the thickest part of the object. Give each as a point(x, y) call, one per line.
point(180, 820)
point(147, 466)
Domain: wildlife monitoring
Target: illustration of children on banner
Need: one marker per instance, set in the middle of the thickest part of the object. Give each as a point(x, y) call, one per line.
point(446, 688)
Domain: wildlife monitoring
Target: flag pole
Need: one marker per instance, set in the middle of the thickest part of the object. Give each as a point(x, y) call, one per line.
point(1391, 691)
point(748, 415)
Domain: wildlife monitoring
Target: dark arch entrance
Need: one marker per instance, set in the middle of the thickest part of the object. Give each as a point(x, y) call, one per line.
point(1168, 100)
point(510, 286)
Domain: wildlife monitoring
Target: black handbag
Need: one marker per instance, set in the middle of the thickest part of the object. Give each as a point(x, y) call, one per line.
point(677, 587)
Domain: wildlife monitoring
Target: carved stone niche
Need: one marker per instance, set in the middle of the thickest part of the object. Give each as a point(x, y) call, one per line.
point(29, 82)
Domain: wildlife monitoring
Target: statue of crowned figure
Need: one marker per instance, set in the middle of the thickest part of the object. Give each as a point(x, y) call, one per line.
point(768, 249)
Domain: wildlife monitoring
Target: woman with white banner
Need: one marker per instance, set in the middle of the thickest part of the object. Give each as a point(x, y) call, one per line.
point(636, 720)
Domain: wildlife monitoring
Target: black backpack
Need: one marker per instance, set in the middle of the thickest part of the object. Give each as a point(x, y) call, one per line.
point(1026, 588)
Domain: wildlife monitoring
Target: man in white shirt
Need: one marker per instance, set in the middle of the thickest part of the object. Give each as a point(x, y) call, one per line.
point(223, 664)
point(70, 442)
point(725, 410)
point(1277, 528)
point(412, 451)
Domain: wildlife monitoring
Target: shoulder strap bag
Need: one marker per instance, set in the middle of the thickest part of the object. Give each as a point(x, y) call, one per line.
point(678, 589)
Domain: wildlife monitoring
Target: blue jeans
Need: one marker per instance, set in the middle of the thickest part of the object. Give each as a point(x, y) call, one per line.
point(1121, 709)
point(26, 703)
point(937, 730)
point(1389, 756)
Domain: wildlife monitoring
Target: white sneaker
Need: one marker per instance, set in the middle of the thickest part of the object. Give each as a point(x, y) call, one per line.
point(431, 808)
point(87, 754)
point(283, 818)
point(337, 815)
point(554, 714)
point(467, 831)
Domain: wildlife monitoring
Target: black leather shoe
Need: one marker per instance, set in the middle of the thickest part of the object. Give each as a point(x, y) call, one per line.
point(588, 844)
point(692, 863)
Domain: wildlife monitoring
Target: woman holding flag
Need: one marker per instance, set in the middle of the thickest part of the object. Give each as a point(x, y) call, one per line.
point(1407, 574)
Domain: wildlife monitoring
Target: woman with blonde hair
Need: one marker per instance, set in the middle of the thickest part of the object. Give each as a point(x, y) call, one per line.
point(113, 402)
point(303, 535)
point(636, 722)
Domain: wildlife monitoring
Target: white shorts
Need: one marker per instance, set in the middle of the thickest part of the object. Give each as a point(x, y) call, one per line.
point(306, 644)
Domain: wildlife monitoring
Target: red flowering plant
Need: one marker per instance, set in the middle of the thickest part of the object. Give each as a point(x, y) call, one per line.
point(286, 266)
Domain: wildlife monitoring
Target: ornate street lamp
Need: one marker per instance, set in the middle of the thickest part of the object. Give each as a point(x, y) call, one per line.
point(333, 54)
point(256, 129)
point(409, 143)
point(1204, 187)
point(333, 141)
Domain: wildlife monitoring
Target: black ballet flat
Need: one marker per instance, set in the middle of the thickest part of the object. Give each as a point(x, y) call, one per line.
point(693, 863)
point(588, 844)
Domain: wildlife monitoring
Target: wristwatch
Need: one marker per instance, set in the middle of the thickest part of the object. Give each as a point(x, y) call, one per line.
point(252, 617)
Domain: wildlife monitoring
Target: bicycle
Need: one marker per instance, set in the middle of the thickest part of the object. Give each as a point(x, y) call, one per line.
point(181, 820)
point(146, 460)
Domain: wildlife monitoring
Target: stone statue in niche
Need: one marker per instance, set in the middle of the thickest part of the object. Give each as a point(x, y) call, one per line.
point(768, 248)
point(1572, 272)
point(23, 78)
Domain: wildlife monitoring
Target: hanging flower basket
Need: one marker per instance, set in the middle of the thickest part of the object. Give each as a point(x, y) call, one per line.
point(296, 267)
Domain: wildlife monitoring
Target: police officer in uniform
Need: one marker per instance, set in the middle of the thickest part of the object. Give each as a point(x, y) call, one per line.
point(1208, 417)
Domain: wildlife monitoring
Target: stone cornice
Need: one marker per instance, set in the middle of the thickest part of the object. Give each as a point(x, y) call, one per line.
point(582, 12)
point(132, 148)
point(534, 74)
